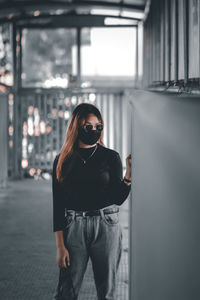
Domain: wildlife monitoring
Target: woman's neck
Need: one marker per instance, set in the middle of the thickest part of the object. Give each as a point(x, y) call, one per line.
point(82, 145)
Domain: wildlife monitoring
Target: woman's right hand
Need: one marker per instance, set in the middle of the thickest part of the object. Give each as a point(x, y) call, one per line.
point(62, 254)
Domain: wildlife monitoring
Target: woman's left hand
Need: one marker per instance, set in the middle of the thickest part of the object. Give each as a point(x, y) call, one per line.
point(128, 167)
point(128, 162)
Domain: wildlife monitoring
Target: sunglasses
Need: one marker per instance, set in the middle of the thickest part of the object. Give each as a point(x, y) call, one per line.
point(88, 127)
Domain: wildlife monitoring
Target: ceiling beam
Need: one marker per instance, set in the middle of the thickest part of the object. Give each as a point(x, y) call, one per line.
point(8, 7)
point(23, 19)
point(146, 10)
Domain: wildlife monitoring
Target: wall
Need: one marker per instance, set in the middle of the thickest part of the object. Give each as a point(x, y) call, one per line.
point(165, 206)
point(172, 43)
point(3, 141)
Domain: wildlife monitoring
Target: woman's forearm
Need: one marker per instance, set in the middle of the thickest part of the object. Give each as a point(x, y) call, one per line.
point(128, 173)
point(59, 239)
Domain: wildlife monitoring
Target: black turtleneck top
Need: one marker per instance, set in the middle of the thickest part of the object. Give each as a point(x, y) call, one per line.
point(89, 186)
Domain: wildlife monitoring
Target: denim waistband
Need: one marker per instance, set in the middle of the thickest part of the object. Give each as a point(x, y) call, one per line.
point(105, 210)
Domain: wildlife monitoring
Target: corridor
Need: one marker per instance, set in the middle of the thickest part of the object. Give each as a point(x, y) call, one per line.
point(138, 63)
point(28, 250)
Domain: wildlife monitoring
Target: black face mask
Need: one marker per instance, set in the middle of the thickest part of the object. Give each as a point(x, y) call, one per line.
point(90, 137)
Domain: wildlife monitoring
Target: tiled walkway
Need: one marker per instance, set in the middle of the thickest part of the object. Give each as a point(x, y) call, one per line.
point(28, 269)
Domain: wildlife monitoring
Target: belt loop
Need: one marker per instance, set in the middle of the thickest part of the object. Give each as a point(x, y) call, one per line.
point(71, 211)
point(101, 212)
point(74, 214)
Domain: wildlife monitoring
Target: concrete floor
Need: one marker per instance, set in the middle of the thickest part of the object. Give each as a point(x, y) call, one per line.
point(28, 250)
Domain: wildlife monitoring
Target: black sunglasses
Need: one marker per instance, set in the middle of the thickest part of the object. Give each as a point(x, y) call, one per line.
point(88, 127)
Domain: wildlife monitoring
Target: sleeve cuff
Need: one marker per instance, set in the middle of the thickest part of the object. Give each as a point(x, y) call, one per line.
point(58, 228)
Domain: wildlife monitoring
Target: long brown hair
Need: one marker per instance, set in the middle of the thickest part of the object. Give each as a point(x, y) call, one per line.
point(79, 115)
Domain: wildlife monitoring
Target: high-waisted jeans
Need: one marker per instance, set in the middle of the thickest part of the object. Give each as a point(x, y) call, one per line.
point(100, 238)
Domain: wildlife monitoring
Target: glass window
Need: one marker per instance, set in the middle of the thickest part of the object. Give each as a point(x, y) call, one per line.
point(48, 57)
point(108, 52)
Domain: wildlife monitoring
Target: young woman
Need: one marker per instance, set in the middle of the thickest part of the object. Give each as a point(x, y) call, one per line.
point(88, 188)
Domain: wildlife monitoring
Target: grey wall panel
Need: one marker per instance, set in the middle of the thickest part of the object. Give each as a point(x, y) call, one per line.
point(153, 43)
point(180, 41)
point(165, 254)
point(174, 40)
point(104, 114)
point(172, 35)
point(162, 43)
point(110, 120)
point(157, 41)
point(194, 42)
point(125, 123)
point(166, 4)
point(3, 140)
point(147, 54)
point(150, 31)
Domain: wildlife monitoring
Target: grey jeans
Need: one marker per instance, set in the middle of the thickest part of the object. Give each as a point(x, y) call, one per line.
point(100, 238)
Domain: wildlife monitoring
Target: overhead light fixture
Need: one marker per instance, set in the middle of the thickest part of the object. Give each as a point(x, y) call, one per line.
point(100, 11)
point(132, 14)
point(118, 21)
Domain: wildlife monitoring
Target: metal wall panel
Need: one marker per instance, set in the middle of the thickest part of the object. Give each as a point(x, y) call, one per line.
point(153, 43)
point(180, 41)
point(111, 113)
point(173, 37)
point(157, 40)
point(172, 42)
point(162, 43)
point(3, 140)
point(104, 114)
point(148, 51)
point(194, 41)
point(166, 4)
point(165, 207)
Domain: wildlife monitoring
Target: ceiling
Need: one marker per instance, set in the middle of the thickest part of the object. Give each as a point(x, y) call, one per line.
point(129, 9)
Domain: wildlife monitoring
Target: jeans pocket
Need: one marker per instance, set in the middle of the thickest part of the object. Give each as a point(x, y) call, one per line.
point(111, 219)
point(68, 220)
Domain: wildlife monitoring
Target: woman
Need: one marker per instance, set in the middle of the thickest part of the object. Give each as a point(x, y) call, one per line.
point(87, 188)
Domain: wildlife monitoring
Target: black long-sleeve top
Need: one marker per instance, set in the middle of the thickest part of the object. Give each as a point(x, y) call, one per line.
point(90, 186)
